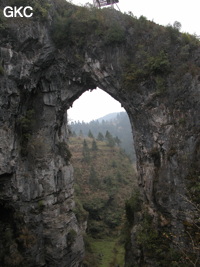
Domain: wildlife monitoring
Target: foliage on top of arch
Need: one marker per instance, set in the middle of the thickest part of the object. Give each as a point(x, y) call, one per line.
point(152, 66)
point(75, 26)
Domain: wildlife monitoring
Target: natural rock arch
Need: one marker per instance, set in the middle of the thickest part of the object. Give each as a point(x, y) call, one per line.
point(39, 82)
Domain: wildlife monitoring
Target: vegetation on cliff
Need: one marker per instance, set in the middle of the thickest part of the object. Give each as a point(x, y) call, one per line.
point(84, 26)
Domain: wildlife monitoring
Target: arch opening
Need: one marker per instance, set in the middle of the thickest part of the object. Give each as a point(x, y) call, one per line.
point(104, 171)
point(99, 104)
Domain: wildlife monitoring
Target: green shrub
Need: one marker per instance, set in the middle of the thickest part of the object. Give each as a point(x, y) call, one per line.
point(147, 235)
point(64, 152)
point(158, 65)
point(95, 205)
point(155, 154)
point(71, 237)
point(190, 39)
point(41, 205)
point(76, 25)
point(25, 124)
point(1, 70)
point(171, 152)
point(160, 84)
point(173, 34)
point(2, 20)
point(177, 25)
point(113, 219)
point(38, 147)
point(182, 121)
point(133, 75)
point(72, 27)
point(80, 212)
point(86, 152)
point(114, 35)
point(131, 206)
point(193, 178)
point(155, 244)
point(96, 228)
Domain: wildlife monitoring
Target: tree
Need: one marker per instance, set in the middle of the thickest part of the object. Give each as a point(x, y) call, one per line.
point(94, 145)
point(74, 134)
point(86, 152)
point(100, 137)
point(117, 140)
point(90, 135)
point(93, 180)
point(110, 140)
point(108, 134)
point(177, 25)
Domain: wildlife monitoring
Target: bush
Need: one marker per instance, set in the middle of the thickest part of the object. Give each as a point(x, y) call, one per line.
point(25, 124)
point(131, 206)
point(158, 65)
point(147, 235)
point(80, 212)
point(155, 244)
point(133, 75)
point(41, 205)
point(64, 152)
point(76, 25)
point(1, 70)
point(2, 20)
point(72, 27)
point(155, 154)
point(177, 25)
point(114, 35)
point(71, 237)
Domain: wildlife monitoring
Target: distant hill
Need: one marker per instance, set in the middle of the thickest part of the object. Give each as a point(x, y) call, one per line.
point(117, 124)
point(108, 117)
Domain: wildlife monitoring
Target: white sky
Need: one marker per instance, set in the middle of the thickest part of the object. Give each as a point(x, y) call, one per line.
point(95, 104)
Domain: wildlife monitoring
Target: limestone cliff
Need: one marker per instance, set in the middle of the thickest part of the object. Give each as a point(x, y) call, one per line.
point(46, 63)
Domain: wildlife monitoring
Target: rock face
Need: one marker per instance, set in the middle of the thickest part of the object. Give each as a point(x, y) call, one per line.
point(152, 71)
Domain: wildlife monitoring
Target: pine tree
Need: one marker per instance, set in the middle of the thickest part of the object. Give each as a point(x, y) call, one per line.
point(86, 152)
point(110, 140)
point(90, 135)
point(108, 134)
point(94, 145)
point(117, 140)
point(74, 134)
point(100, 137)
point(93, 180)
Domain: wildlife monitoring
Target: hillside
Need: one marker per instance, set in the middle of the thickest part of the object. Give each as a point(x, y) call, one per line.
point(104, 180)
point(117, 124)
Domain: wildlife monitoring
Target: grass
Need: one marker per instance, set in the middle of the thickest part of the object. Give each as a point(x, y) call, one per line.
point(108, 251)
